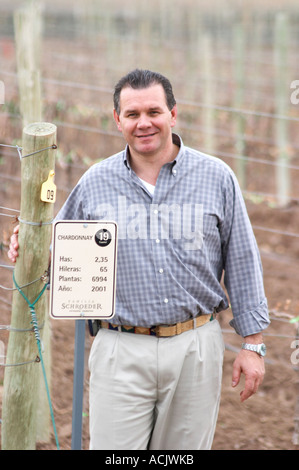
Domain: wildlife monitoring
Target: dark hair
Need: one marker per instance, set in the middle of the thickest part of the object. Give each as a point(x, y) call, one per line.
point(139, 79)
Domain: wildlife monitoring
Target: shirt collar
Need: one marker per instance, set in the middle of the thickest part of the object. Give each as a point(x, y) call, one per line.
point(176, 139)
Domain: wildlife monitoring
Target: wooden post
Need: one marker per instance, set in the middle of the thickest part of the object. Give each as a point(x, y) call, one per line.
point(27, 26)
point(21, 381)
point(240, 122)
point(281, 102)
point(208, 95)
point(28, 38)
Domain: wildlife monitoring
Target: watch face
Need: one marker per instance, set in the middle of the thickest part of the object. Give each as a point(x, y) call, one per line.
point(263, 349)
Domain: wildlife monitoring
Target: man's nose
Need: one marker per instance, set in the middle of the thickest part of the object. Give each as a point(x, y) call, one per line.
point(143, 121)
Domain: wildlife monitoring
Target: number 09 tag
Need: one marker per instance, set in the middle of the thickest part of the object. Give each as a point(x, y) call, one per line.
point(48, 192)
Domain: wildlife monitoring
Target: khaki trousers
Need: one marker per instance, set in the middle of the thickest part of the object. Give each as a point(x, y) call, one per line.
point(155, 393)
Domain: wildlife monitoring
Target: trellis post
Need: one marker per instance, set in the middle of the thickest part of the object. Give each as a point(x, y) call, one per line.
point(208, 95)
point(28, 38)
point(27, 26)
point(282, 81)
point(239, 120)
point(21, 378)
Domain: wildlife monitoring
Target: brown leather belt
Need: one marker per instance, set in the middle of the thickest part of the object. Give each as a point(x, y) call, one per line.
point(161, 330)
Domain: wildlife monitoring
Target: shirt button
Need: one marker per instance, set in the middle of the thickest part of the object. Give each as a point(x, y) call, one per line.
point(157, 241)
point(174, 172)
point(166, 301)
point(155, 211)
point(161, 270)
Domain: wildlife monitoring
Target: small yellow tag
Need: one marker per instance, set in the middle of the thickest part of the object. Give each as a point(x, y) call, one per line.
point(48, 192)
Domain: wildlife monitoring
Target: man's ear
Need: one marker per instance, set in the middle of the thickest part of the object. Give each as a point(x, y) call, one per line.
point(117, 120)
point(174, 113)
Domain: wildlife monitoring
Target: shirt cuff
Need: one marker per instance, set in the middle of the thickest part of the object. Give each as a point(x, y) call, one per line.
point(253, 321)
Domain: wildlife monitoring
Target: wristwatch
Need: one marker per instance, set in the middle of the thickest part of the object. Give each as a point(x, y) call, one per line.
point(260, 349)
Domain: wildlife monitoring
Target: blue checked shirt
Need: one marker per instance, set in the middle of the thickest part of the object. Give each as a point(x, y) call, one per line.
point(180, 249)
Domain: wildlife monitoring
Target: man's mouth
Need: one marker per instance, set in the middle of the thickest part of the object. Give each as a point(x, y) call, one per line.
point(145, 136)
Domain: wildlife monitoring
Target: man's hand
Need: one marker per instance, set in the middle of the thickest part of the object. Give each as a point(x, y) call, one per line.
point(252, 366)
point(14, 245)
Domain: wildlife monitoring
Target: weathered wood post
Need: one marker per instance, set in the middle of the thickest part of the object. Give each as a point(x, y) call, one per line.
point(239, 120)
point(208, 95)
point(282, 83)
point(27, 26)
point(28, 39)
point(22, 371)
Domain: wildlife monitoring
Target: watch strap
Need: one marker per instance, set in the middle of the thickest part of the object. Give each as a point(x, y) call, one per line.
point(258, 348)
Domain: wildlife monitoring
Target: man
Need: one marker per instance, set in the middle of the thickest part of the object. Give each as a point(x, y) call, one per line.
point(156, 370)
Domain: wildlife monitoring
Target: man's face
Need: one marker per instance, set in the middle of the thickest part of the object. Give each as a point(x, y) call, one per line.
point(145, 120)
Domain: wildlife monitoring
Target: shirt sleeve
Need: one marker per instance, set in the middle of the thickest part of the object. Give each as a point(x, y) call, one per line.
point(243, 273)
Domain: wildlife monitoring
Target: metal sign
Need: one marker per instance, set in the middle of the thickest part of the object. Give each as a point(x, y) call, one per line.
point(83, 269)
